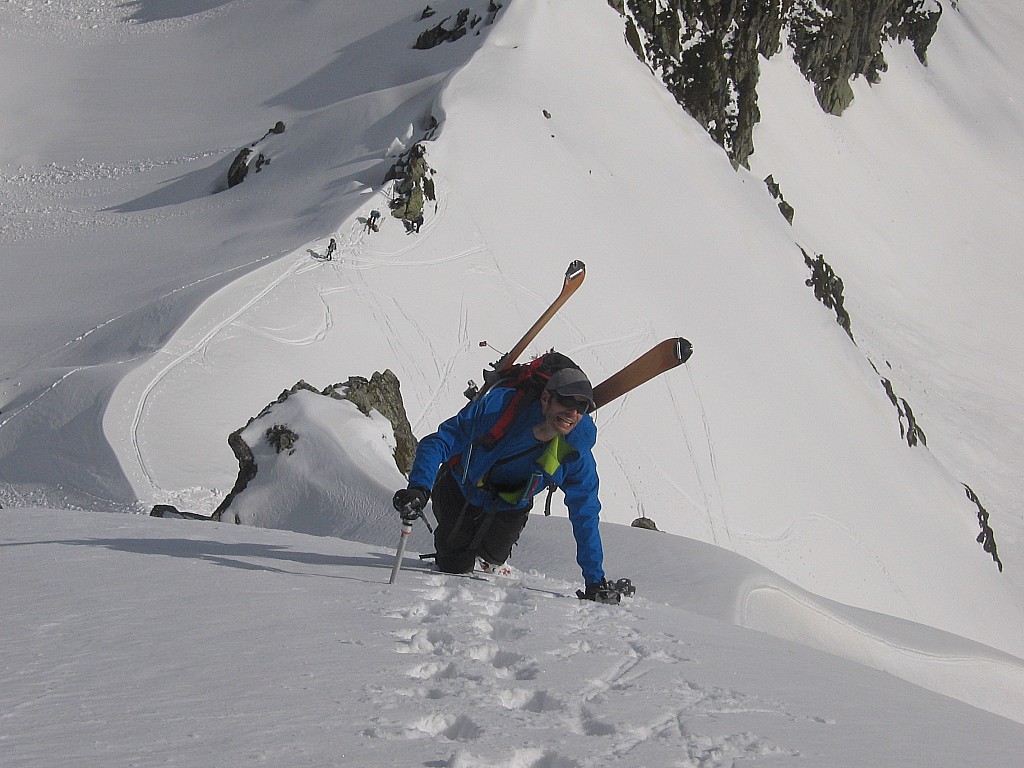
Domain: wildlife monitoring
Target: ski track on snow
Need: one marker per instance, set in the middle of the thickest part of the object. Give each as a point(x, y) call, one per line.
point(42, 360)
point(594, 694)
point(354, 260)
point(197, 348)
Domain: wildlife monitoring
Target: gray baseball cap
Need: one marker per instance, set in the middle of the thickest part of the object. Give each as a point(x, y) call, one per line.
point(572, 382)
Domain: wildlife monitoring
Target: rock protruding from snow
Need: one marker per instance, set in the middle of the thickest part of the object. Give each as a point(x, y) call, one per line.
point(382, 392)
point(249, 158)
point(449, 30)
point(707, 52)
point(293, 472)
point(414, 185)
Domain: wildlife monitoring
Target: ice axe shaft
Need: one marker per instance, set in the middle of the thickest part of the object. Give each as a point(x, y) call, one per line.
point(406, 530)
point(409, 516)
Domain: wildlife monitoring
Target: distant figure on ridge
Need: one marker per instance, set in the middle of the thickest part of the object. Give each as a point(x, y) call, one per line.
point(373, 222)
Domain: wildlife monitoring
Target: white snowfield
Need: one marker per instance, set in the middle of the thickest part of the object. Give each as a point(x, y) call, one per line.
point(147, 312)
point(150, 642)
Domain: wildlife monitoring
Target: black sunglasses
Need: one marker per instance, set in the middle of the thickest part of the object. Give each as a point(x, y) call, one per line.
point(567, 401)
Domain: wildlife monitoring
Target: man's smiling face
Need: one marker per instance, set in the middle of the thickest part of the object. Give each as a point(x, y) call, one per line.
point(561, 415)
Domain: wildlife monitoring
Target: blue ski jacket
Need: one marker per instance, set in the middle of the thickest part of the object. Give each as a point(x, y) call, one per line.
point(518, 467)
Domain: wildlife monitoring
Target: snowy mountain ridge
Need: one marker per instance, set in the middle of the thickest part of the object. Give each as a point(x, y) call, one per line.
point(149, 312)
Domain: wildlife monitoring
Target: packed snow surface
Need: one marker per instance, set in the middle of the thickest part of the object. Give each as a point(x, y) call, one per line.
point(149, 642)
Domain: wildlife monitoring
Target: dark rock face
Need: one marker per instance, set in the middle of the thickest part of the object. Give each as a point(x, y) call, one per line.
point(414, 184)
point(645, 523)
point(449, 30)
point(987, 537)
point(911, 432)
point(776, 192)
point(241, 165)
point(837, 40)
point(169, 511)
point(249, 158)
point(828, 288)
point(706, 51)
point(434, 36)
point(706, 54)
point(382, 393)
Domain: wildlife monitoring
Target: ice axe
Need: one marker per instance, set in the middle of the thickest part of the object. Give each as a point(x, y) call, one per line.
point(409, 515)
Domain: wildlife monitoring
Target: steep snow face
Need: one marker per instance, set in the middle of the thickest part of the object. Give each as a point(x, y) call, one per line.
point(777, 440)
point(911, 196)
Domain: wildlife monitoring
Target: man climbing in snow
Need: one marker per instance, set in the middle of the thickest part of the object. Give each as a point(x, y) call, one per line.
point(482, 493)
point(331, 248)
point(373, 221)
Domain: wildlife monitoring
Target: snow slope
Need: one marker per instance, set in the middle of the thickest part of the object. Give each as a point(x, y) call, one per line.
point(331, 479)
point(825, 493)
point(160, 642)
point(148, 312)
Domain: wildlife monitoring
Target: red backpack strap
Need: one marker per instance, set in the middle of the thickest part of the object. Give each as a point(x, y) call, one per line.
point(528, 380)
point(490, 438)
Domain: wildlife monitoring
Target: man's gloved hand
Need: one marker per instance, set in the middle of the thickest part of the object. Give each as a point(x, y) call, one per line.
point(413, 498)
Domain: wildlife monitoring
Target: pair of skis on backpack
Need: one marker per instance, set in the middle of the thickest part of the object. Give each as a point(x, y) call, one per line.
point(660, 358)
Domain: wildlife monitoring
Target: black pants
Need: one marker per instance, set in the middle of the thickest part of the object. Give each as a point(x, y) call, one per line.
point(465, 531)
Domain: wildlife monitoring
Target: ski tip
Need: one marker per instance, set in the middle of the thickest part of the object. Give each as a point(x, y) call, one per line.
point(683, 349)
point(577, 269)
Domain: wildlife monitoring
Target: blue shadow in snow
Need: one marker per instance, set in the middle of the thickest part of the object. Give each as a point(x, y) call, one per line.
point(240, 556)
point(162, 10)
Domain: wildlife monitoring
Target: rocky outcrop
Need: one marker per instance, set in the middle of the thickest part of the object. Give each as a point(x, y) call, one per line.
point(707, 51)
point(910, 430)
point(987, 537)
point(834, 41)
point(434, 36)
point(645, 523)
point(776, 192)
point(381, 393)
point(414, 185)
point(245, 161)
point(250, 158)
point(828, 288)
point(169, 511)
point(448, 30)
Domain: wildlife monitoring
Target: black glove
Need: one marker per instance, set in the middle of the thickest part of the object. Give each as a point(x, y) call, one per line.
point(605, 591)
point(410, 498)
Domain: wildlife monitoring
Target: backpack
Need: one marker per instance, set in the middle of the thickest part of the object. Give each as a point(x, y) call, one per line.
point(529, 380)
